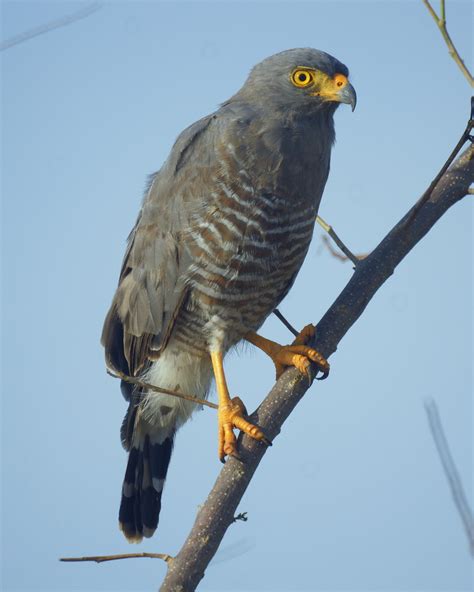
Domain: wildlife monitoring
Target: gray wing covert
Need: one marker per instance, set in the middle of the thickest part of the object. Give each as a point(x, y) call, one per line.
point(152, 284)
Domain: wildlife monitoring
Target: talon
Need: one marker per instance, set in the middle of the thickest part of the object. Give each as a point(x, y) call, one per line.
point(233, 415)
point(324, 376)
point(298, 354)
point(301, 357)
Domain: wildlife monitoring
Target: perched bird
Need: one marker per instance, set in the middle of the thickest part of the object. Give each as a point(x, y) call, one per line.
point(223, 230)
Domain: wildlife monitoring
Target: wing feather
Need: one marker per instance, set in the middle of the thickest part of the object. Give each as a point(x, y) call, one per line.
point(152, 285)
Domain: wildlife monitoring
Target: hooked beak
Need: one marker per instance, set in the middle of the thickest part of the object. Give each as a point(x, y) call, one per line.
point(337, 89)
point(348, 95)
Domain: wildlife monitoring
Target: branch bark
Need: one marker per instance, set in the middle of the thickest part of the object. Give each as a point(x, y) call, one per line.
point(217, 514)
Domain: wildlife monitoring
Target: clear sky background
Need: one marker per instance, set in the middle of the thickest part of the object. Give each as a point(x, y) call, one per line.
point(352, 495)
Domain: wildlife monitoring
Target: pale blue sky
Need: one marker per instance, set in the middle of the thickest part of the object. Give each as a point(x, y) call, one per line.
point(351, 496)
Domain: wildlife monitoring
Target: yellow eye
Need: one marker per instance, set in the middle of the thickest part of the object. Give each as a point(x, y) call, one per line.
point(302, 78)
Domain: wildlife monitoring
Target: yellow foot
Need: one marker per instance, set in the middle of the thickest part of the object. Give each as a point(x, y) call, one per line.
point(299, 355)
point(231, 415)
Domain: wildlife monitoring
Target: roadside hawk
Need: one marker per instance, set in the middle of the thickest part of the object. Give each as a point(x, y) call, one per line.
point(223, 230)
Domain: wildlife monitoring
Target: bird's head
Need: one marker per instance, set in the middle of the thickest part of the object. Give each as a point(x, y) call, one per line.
point(300, 78)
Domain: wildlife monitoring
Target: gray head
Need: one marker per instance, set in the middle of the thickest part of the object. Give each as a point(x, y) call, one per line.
point(299, 79)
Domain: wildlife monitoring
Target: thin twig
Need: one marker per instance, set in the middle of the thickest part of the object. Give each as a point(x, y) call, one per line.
point(102, 558)
point(242, 516)
point(159, 389)
point(442, 9)
point(453, 52)
point(330, 230)
point(452, 475)
point(337, 254)
point(462, 140)
point(290, 327)
point(348, 255)
point(49, 26)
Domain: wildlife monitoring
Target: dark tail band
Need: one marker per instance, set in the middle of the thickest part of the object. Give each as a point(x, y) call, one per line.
point(143, 486)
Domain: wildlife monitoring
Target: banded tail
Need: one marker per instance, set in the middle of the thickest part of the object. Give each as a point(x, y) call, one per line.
point(148, 462)
point(148, 432)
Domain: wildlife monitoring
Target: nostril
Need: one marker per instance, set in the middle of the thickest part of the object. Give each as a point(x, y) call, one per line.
point(340, 80)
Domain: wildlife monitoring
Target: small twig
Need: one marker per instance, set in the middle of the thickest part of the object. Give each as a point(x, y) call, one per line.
point(336, 254)
point(56, 24)
point(453, 52)
point(332, 250)
point(462, 140)
point(159, 389)
point(348, 255)
point(442, 9)
point(452, 475)
point(330, 230)
point(290, 327)
point(242, 516)
point(102, 558)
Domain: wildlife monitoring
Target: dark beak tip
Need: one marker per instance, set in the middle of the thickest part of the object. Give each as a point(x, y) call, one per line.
point(353, 97)
point(349, 96)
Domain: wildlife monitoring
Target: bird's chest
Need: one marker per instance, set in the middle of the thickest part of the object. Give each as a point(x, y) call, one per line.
point(277, 230)
point(247, 253)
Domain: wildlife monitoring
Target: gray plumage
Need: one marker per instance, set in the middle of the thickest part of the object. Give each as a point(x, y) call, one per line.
point(223, 230)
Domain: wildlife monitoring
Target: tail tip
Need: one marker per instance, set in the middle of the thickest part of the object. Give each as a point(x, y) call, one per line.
point(132, 535)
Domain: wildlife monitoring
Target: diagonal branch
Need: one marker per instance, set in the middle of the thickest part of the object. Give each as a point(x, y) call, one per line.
point(217, 513)
point(453, 52)
point(348, 254)
point(50, 26)
point(340, 256)
point(452, 475)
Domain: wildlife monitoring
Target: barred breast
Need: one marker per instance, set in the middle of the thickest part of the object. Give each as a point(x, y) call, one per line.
point(246, 253)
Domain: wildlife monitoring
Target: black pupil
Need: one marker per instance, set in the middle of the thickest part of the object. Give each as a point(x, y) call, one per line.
point(302, 77)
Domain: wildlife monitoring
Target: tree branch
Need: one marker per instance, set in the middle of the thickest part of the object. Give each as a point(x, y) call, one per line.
point(51, 25)
point(102, 558)
point(337, 254)
point(452, 475)
point(348, 254)
point(453, 52)
point(288, 325)
point(159, 389)
point(217, 513)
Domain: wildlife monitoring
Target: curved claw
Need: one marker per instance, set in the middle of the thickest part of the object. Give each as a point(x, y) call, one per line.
point(234, 415)
point(324, 376)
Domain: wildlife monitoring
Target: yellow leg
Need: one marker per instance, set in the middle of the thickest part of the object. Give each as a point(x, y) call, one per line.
point(297, 354)
point(230, 413)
